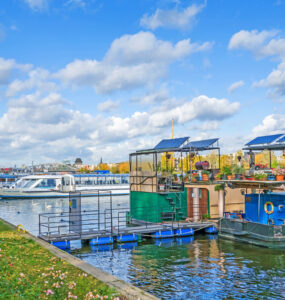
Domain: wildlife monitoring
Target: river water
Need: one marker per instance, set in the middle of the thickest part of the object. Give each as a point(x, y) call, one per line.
point(203, 267)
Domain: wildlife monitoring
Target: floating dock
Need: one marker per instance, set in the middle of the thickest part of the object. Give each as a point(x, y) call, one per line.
point(64, 230)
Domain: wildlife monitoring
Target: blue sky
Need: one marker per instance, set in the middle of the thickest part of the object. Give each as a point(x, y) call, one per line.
point(96, 79)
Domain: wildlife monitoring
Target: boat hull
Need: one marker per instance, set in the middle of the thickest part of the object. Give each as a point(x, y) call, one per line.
point(269, 236)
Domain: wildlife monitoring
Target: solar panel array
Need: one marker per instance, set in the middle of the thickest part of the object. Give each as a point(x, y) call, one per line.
point(202, 144)
point(171, 143)
point(266, 139)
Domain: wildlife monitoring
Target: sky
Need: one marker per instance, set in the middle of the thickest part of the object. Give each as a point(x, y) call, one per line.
point(99, 78)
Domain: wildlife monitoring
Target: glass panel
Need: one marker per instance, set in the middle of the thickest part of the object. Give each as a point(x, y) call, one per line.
point(145, 165)
point(133, 166)
point(47, 183)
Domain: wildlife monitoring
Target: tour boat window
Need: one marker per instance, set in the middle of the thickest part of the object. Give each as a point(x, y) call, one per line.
point(25, 183)
point(47, 183)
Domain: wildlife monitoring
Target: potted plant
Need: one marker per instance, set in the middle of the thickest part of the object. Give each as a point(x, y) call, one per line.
point(206, 217)
point(219, 176)
point(260, 176)
point(238, 171)
point(205, 175)
point(279, 173)
point(219, 187)
point(271, 177)
point(194, 177)
point(227, 171)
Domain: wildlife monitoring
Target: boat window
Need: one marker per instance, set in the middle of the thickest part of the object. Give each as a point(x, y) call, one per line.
point(109, 180)
point(101, 180)
point(47, 183)
point(125, 179)
point(25, 183)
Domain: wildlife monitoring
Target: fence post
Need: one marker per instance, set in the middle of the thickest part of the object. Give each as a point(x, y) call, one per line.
point(48, 227)
point(39, 224)
point(111, 206)
point(98, 210)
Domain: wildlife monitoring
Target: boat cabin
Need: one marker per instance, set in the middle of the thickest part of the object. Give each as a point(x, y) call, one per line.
point(158, 177)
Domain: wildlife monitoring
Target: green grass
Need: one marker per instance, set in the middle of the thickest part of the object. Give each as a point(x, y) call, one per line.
point(28, 271)
point(4, 227)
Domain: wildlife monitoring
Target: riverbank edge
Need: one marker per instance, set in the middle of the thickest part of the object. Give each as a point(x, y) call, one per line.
point(124, 288)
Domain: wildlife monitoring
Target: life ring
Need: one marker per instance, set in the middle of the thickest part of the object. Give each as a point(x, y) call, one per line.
point(269, 212)
point(21, 227)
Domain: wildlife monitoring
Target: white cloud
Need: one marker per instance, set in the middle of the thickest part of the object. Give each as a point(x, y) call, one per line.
point(260, 43)
point(108, 105)
point(234, 86)
point(171, 18)
point(43, 128)
point(132, 61)
point(206, 126)
point(199, 108)
point(152, 97)
point(38, 5)
point(271, 124)
point(275, 81)
point(39, 79)
point(7, 66)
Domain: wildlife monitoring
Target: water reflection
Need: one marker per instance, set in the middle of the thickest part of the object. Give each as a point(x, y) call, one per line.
point(199, 267)
point(27, 212)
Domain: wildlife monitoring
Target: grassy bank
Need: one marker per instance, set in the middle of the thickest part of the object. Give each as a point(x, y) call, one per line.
point(28, 271)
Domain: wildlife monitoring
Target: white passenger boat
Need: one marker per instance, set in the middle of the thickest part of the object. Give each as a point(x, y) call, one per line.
point(58, 186)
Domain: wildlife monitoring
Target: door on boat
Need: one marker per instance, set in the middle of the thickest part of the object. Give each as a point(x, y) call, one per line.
point(68, 183)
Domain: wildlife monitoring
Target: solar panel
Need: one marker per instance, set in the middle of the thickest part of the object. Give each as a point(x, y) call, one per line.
point(171, 143)
point(202, 144)
point(281, 140)
point(266, 139)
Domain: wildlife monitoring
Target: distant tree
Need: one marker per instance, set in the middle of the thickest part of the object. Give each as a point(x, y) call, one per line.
point(124, 167)
point(103, 166)
point(115, 169)
point(78, 161)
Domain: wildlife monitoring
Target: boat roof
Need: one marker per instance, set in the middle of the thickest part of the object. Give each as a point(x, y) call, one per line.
point(42, 176)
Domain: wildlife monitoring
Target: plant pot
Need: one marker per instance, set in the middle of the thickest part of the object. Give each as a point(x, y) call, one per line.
point(249, 178)
point(229, 177)
point(238, 176)
point(271, 177)
point(205, 177)
point(194, 179)
point(279, 177)
point(224, 177)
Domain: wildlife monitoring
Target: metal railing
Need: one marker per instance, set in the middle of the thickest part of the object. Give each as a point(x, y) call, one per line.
point(89, 222)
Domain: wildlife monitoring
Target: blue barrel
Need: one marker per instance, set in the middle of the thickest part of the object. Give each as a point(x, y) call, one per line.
point(102, 240)
point(62, 244)
point(211, 230)
point(163, 234)
point(123, 238)
point(184, 231)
